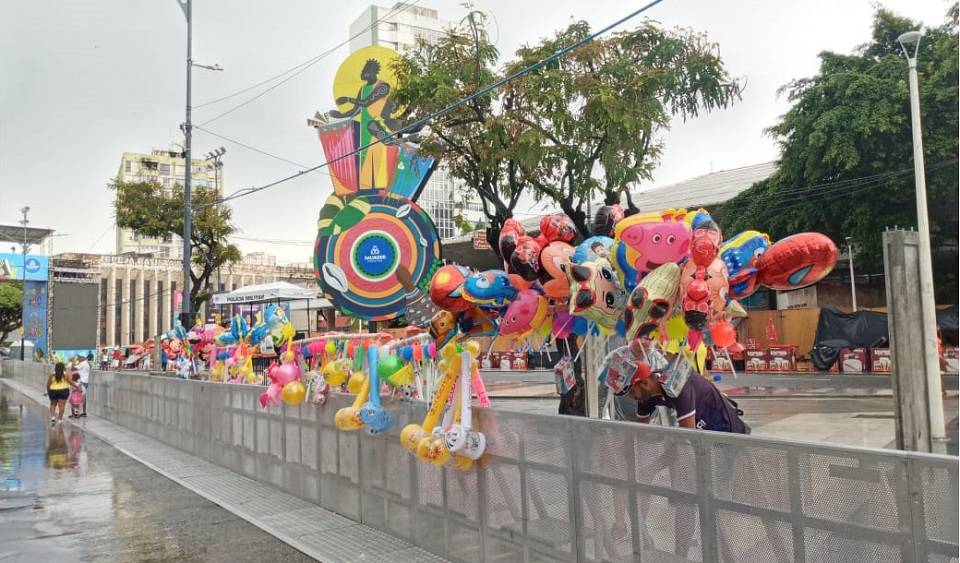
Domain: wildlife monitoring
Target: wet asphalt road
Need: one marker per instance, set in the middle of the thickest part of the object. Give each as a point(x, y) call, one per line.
point(67, 496)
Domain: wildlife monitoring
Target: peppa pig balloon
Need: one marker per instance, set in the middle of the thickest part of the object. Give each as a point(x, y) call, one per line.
point(527, 313)
point(646, 240)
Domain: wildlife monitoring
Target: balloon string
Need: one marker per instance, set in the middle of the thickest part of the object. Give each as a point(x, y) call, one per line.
point(589, 331)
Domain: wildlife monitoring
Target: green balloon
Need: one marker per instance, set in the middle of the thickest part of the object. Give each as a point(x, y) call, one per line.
point(388, 365)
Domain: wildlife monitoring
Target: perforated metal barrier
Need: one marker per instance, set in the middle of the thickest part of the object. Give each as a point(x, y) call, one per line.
point(561, 488)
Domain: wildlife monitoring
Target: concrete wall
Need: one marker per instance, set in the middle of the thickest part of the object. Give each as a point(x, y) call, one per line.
point(561, 488)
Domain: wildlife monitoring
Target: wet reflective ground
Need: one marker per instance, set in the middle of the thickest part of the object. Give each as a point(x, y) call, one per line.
point(67, 496)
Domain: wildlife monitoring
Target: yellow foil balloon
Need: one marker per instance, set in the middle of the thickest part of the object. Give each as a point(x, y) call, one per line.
point(356, 381)
point(335, 373)
point(293, 393)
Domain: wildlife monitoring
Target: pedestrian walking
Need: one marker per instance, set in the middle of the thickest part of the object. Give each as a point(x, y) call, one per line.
point(58, 390)
point(105, 359)
point(76, 396)
point(83, 369)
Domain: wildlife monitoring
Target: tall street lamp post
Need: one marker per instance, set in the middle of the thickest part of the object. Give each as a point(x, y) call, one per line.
point(187, 128)
point(910, 43)
point(23, 275)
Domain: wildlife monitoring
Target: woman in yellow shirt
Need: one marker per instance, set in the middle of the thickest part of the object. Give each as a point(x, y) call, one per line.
point(58, 389)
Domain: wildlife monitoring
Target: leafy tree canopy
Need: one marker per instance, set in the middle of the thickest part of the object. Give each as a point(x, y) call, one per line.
point(152, 211)
point(585, 124)
point(596, 115)
point(845, 140)
point(11, 303)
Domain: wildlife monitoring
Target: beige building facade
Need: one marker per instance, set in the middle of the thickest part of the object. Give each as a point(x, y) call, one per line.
point(166, 168)
point(137, 292)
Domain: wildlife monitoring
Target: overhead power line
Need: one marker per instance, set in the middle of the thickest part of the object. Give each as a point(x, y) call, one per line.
point(295, 70)
point(255, 149)
point(416, 125)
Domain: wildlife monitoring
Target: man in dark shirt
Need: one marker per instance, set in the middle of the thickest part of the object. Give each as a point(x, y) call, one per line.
point(699, 404)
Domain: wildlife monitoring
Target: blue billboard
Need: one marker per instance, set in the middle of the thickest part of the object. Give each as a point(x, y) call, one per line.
point(12, 267)
point(35, 314)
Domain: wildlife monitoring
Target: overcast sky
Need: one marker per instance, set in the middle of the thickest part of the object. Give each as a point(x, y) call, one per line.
point(83, 81)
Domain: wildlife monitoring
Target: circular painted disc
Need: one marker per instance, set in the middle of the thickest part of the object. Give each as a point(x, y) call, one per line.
point(358, 254)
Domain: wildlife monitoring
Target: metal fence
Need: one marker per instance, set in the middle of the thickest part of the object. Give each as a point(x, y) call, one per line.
point(561, 488)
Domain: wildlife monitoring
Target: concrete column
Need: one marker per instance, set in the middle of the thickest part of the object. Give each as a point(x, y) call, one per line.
point(138, 308)
point(124, 336)
point(151, 305)
point(111, 307)
point(167, 298)
point(918, 406)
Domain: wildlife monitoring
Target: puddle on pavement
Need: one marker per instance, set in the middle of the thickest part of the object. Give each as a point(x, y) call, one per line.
point(67, 496)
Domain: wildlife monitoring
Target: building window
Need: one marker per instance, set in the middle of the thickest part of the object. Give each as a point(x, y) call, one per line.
point(117, 300)
point(133, 311)
point(164, 168)
point(168, 182)
point(160, 327)
point(127, 166)
point(103, 312)
point(147, 333)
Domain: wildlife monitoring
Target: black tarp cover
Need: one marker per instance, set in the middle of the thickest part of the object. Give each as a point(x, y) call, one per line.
point(863, 329)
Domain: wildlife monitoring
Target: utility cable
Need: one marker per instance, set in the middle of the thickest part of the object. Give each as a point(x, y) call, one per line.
point(416, 125)
point(296, 71)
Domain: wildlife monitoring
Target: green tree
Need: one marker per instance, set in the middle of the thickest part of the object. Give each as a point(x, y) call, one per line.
point(152, 211)
point(596, 116)
point(587, 123)
point(852, 120)
point(11, 307)
point(478, 142)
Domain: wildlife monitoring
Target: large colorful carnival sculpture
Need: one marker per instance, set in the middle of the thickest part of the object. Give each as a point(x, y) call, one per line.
point(376, 249)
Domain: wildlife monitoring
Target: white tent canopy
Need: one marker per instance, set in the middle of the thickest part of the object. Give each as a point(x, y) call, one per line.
point(264, 293)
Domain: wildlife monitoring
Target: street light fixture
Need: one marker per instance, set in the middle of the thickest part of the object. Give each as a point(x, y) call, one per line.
point(187, 127)
point(910, 43)
point(23, 269)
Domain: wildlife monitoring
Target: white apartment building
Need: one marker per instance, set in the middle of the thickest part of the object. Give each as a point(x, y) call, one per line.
point(398, 28)
point(166, 167)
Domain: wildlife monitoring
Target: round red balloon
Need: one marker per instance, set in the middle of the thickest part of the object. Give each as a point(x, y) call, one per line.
point(797, 261)
point(723, 334)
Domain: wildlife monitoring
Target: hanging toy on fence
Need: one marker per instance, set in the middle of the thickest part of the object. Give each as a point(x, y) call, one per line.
point(461, 438)
point(372, 413)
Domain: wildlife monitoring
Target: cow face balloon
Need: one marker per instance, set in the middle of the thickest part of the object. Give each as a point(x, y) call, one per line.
point(595, 292)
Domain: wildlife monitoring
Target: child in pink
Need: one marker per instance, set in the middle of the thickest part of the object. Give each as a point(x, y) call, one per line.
point(76, 396)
